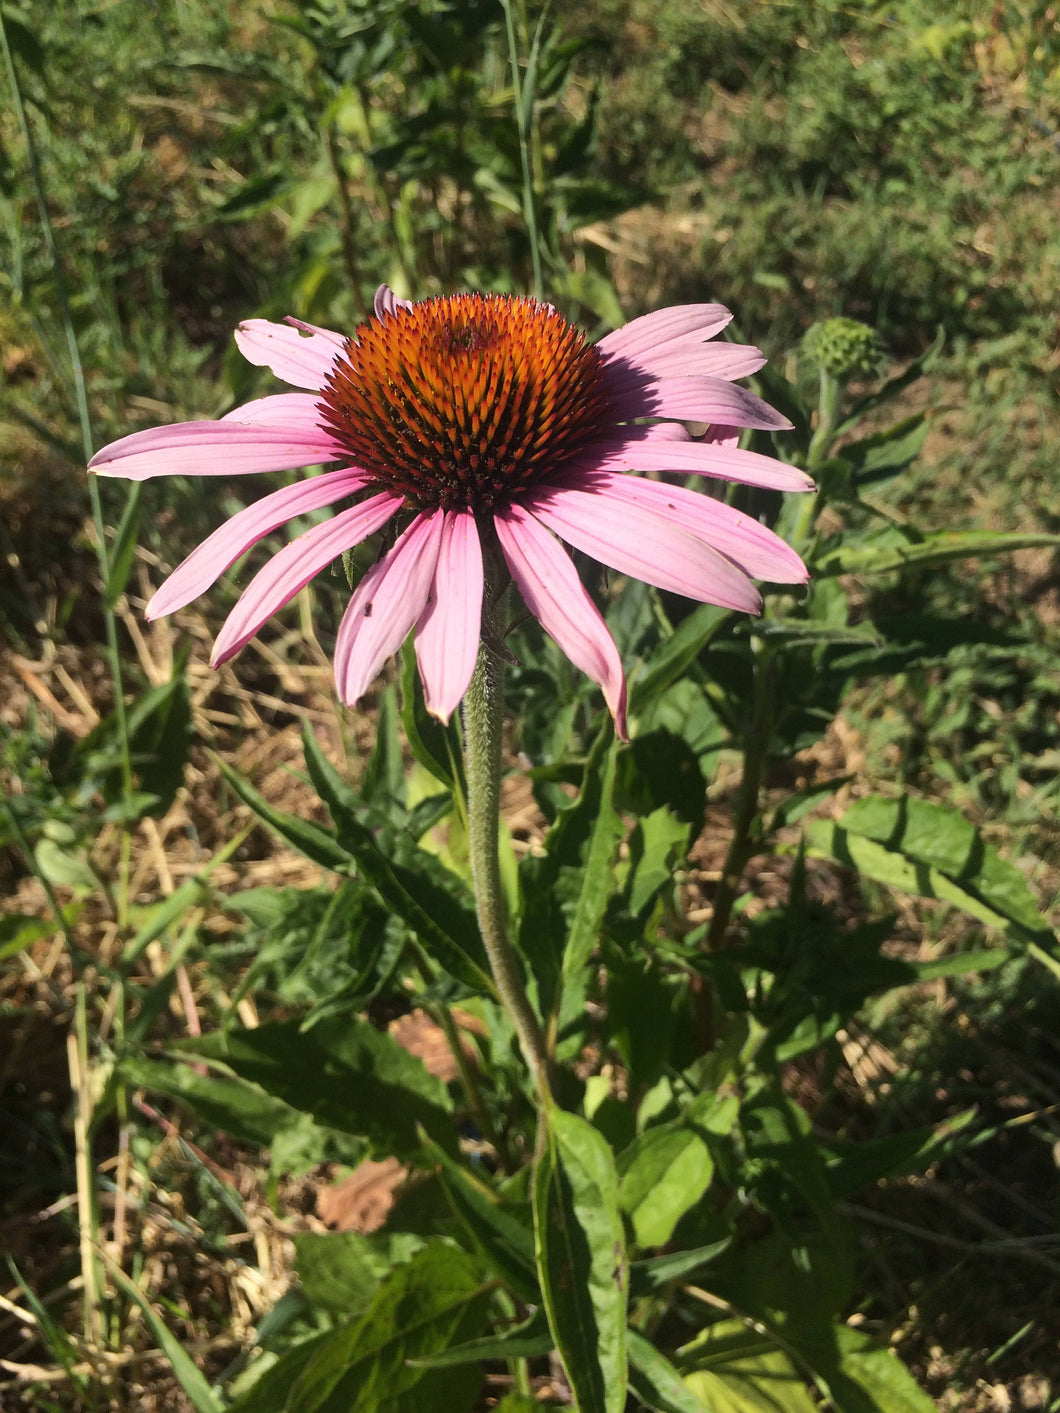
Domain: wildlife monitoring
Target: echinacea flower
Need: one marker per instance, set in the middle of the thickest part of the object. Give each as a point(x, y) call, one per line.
point(484, 423)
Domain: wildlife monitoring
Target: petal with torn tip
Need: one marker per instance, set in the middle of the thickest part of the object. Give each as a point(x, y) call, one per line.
point(303, 360)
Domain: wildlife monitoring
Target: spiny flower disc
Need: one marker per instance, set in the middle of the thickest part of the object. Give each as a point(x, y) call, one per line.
point(467, 399)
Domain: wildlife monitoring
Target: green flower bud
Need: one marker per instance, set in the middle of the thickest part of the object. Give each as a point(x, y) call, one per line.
point(845, 348)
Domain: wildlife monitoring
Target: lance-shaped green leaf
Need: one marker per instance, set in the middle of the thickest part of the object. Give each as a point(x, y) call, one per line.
point(123, 551)
point(741, 1371)
point(932, 851)
point(445, 927)
point(309, 839)
point(581, 1259)
point(345, 1073)
point(656, 1382)
point(597, 880)
point(894, 550)
point(436, 747)
point(505, 1242)
point(529, 1340)
point(427, 1305)
point(668, 663)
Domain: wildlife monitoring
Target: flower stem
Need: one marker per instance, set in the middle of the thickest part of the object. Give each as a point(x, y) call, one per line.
point(483, 718)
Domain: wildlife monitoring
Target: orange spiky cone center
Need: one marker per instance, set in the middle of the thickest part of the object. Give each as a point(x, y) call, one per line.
point(466, 400)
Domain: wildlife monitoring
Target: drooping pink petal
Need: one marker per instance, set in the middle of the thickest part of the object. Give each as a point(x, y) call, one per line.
point(698, 400)
point(448, 632)
point(705, 360)
point(754, 547)
point(304, 360)
point(293, 412)
point(212, 449)
point(387, 302)
point(388, 601)
point(205, 565)
point(292, 568)
point(645, 545)
point(637, 453)
point(554, 594)
point(653, 332)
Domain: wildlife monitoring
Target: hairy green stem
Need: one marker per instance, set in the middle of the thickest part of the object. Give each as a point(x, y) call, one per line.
point(483, 718)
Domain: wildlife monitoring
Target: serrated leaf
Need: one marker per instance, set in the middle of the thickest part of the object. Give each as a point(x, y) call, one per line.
point(931, 851)
point(581, 1260)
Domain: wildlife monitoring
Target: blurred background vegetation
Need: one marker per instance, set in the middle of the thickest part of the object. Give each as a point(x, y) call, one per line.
point(173, 168)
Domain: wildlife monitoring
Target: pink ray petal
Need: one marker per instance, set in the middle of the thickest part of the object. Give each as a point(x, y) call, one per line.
point(698, 400)
point(448, 632)
point(645, 545)
point(304, 360)
point(294, 412)
point(388, 601)
point(205, 565)
point(665, 326)
point(637, 453)
point(292, 568)
point(339, 340)
point(754, 547)
point(707, 360)
point(212, 449)
point(554, 594)
point(387, 302)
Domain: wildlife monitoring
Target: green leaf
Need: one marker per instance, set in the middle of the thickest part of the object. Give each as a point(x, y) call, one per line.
point(668, 1170)
point(674, 656)
point(892, 550)
point(863, 1376)
point(853, 1166)
point(226, 1102)
point(581, 1260)
point(932, 851)
point(597, 879)
point(530, 1340)
point(384, 775)
point(518, 1403)
point(658, 843)
point(656, 1382)
point(124, 549)
point(309, 839)
point(740, 1371)
point(19, 931)
point(422, 1308)
point(341, 1271)
point(200, 1395)
point(64, 867)
point(648, 1275)
point(343, 1072)
point(436, 747)
point(505, 1242)
point(162, 916)
point(445, 926)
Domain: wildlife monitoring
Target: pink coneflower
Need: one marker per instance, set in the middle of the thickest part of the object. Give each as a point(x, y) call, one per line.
point(482, 422)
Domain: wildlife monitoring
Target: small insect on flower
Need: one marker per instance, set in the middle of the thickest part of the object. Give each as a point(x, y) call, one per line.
point(485, 424)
